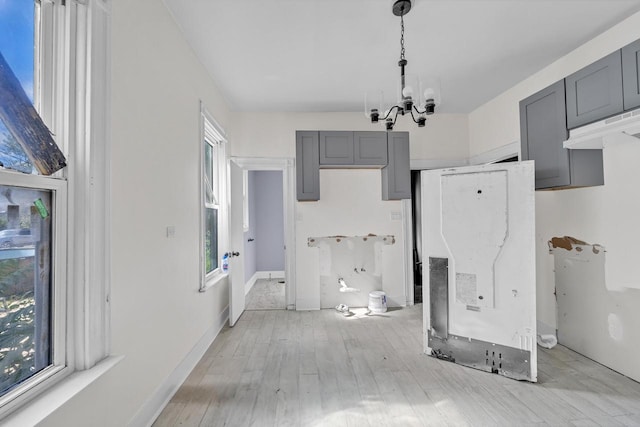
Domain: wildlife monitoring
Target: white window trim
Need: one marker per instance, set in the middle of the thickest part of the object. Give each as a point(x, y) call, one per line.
point(74, 100)
point(59, 319)
point(87, 32)
point(210, 130)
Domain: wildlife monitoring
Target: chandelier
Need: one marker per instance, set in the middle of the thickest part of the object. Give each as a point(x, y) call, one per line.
point(420, 106)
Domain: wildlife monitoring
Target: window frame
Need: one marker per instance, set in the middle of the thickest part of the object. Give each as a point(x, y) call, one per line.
point(214, 203)
point(72, 95)
point(213, 135)
point(60, 316)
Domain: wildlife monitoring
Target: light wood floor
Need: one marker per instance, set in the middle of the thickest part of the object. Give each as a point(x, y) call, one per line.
point(266, 294)
point(287, 368)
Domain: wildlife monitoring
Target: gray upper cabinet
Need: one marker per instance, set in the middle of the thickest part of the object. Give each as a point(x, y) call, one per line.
point(370, 148)
point(307, 166)
point(396, 176)
point(543, 129)
point(631, 75)
point(336, 148)
point(595, 92)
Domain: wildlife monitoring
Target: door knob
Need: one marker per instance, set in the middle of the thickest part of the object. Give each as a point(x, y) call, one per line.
point(235, 254)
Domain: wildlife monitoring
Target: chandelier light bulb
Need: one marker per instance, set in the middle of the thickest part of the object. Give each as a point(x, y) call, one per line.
point(407, 92)
point(429, 93)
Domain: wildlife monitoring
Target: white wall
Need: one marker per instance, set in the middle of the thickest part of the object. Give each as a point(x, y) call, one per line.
point(497, 122)
point(158, 315)
point(273, 134)
point(269, 218)
point(350, 204)
point(581, 213)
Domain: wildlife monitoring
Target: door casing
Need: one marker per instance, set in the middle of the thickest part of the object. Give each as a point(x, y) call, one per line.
point(286, 166)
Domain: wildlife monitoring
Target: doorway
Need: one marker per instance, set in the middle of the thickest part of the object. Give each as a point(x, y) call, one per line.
point(267, 235)
point(264, 240)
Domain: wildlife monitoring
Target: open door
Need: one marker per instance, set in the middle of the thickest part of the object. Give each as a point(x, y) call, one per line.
point(236, 238)
point(479, 290)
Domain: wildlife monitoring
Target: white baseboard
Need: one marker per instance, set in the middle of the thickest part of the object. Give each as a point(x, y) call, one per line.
point(250, 283)
point(270, 274)
point(151, 409)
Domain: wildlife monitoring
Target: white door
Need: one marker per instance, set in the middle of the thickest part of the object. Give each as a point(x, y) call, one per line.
point(236, 237)
point(479, 288)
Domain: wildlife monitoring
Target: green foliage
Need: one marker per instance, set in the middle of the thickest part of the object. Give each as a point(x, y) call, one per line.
point(17, 346)
point(207, 252)
point(17, 321)
point(16, 277)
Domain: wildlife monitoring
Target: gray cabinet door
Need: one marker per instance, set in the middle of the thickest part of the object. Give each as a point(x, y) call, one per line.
point(370, 148)
point(336, 148)
point(595, 92)
point(631, 75)
point(542, 131)
point(307, 166)
point(396, 176)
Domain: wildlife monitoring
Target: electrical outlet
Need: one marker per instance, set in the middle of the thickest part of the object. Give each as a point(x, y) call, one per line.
point(171, 231)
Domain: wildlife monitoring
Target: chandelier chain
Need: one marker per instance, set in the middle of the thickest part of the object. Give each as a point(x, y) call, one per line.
point(401, 37)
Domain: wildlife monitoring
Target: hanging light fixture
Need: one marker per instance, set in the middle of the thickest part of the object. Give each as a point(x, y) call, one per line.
point(408, 103)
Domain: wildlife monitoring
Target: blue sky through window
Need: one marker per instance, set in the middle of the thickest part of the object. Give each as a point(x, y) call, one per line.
point(17, 47)
point(17, 39)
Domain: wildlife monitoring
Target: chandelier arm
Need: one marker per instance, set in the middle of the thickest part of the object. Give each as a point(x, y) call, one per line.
point(395, 107)
point(418, 111)
point(396, 116)
point(412, 116)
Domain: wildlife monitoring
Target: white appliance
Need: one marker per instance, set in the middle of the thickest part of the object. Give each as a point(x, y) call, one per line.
point(479, 291)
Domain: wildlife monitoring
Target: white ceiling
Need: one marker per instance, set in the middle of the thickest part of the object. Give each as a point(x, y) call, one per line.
point(323, 55)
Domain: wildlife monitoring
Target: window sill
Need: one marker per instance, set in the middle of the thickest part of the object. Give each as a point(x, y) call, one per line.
point(35, 411)
point(214, 281)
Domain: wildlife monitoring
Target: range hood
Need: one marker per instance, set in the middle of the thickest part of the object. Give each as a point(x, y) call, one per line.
point(620, 128)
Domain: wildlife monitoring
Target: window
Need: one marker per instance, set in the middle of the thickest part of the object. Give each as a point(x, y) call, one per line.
point(25, 284)
point(211, 205)
point(28, 216)
point(51, 325)
point(27, 144)
point(32, 216)
point(213, 199)
point(17, 47)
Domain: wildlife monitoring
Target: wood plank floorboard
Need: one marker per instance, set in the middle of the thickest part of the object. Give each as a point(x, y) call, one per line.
point(321, 368)
point(266, 294)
